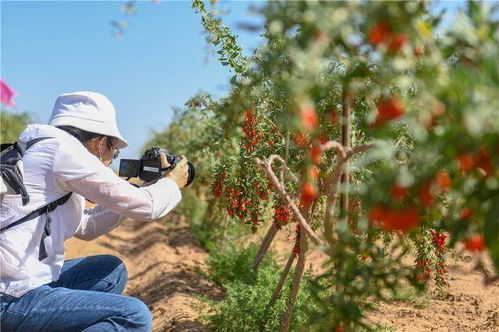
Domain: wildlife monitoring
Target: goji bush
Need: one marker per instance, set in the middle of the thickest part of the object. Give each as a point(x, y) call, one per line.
point(363, 127)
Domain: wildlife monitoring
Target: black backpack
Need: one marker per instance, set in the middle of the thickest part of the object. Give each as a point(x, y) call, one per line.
point(11, 183)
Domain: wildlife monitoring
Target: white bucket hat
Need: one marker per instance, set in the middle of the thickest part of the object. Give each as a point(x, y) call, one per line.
point(89, 111)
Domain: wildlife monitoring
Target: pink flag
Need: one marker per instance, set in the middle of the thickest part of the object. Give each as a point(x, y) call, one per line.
point(6, 93)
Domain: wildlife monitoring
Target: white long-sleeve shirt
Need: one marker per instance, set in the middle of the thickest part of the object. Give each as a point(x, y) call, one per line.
point(53, 168)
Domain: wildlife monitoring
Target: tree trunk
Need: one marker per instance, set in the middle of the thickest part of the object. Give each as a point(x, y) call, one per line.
point(300, 267)
point(277, 289)
point(264, 246)
point(345, 140)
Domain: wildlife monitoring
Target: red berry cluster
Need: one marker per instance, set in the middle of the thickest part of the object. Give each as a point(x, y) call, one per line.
point(388, 109)
point(466, 162)
point(440, 267)
point(381, 33)
point(281, 215)
point(395, 219)
point(315, 154)
point(252, 136)
point(236, 203)
point(423, 268)
point(219, 184)
point(301, 140)
point(439, 240)
point(431, 256)
point(239, 205)
point(262, 192)
point(442, 182)
point(475, 243)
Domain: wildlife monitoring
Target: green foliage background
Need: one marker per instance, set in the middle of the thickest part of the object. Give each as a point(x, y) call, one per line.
point(319, 54)
point(12, 124)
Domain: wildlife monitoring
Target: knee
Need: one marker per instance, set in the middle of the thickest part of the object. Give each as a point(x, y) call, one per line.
point(120, 267)
point(109, 260)
point(138, 314)
point(118, 274)
point(114, 264)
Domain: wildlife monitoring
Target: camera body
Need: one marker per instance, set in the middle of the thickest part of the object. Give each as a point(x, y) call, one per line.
point(148, 167)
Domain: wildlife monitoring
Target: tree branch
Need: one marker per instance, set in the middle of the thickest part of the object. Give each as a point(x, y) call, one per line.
point(266, 166)
point(332, 195)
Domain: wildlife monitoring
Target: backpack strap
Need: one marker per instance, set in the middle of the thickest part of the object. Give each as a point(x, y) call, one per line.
point(12, 154)
point(21, 146)
point(42, 254)
point(5, 146)
point(34, 141)
point(46, 209)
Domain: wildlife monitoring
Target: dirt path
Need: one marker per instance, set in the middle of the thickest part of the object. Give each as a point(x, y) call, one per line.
point(468, 306)
point(162, 259)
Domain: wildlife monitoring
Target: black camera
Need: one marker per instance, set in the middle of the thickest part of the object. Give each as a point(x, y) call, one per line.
point(148, 167)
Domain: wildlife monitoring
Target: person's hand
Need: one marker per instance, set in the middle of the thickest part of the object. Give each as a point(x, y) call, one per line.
point(179, 174)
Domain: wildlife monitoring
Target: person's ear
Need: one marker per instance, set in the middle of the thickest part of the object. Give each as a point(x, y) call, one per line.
point(101, 144)
point(94, 147)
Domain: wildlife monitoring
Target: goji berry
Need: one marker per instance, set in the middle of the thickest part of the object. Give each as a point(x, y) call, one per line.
point(475, 243)
point(379, 33)
point(308, 194)
point(388, 109)
point(309, 118)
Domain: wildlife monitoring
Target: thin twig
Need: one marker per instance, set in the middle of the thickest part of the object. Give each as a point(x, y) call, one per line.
point(359, 149)
point(333, 145)
point(287, 146)
point(284, 165)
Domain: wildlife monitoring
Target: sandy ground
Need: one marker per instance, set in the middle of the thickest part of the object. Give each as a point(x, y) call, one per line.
point(468, 306)
point(163, 260)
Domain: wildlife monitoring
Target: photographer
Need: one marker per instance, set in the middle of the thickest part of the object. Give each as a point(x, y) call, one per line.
point(40, 291)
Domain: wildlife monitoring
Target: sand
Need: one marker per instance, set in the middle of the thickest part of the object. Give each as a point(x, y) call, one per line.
point(164, 259)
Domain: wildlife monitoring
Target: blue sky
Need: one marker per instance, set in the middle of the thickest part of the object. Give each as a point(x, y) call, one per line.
point(53, 47)
point(49, 48)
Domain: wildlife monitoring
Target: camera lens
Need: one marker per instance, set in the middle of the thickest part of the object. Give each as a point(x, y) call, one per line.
point(152, 153)
point(172, 160)
point(191, 172)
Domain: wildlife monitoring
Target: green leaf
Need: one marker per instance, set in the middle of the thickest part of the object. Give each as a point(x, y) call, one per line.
point(491, 231)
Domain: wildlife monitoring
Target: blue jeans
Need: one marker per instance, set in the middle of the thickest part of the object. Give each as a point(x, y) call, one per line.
point(87, 297)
